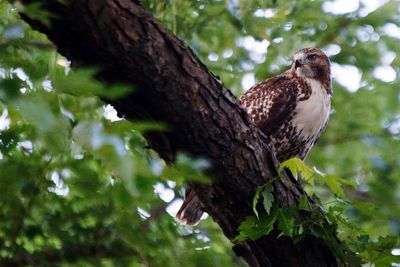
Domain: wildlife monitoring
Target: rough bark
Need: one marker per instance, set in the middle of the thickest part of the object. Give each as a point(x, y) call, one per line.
point(172, 86)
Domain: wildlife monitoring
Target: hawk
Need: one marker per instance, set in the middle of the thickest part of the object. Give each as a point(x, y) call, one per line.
point(291, 108)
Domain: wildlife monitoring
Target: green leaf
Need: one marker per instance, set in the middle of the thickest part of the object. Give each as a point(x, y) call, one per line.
point(253, 228)
point(255, 200)
point(299, 169)
point(37, 113)
point(379, 252)
point(345, 181)
point(10, 88)
point(334, 185)
point(303, 203)
point(81, 82)
point(286, 219)
point(248, 229)
point(268, 197)
point(35, 11)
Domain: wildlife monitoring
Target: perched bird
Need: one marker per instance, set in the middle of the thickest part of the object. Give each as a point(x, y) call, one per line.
point(291, 108)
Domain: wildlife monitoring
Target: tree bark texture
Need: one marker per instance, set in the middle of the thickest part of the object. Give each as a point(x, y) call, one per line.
point(173, 87)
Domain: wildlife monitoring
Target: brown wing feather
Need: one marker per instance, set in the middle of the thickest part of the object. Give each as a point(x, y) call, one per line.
point(190, 211)
point(271, 102)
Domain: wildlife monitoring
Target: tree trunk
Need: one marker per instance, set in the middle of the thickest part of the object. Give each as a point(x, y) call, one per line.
point(172, 86)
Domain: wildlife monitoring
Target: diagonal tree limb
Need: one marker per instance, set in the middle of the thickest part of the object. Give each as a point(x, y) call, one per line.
point(174, 87)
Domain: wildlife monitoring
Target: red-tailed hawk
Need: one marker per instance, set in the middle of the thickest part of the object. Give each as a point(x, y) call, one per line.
point(291, 108)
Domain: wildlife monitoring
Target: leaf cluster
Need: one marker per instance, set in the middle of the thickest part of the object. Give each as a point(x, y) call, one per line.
point(323, 220)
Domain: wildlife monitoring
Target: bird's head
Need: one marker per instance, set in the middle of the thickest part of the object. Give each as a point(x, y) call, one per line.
point(312, 63)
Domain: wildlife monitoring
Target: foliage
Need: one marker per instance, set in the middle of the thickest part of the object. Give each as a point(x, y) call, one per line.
point(325, 225)
point(75, 180)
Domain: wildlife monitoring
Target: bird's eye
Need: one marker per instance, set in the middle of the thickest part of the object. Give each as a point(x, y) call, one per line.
point(311, 57)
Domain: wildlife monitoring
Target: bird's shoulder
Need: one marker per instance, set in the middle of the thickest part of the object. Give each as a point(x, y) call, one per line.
point(272, 102)
point(283, 86)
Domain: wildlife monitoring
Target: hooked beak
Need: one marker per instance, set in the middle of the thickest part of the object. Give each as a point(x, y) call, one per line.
point(297, 64)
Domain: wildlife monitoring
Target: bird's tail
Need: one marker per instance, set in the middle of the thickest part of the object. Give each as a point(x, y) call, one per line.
point(190, 211)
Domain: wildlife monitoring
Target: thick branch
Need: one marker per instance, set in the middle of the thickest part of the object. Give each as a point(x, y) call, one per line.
point(174, 87)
